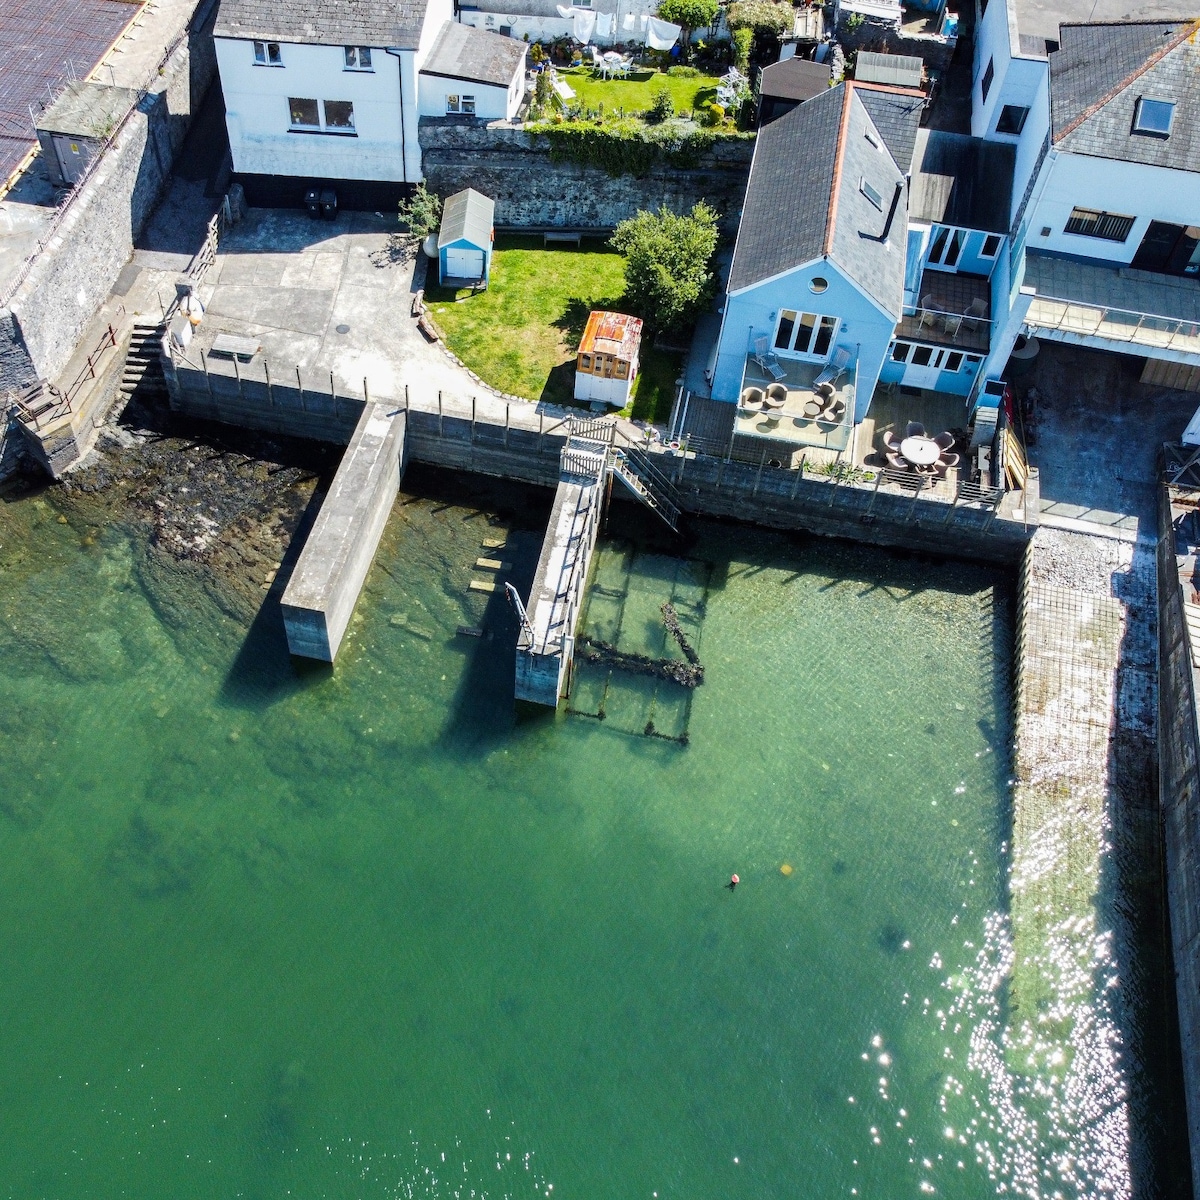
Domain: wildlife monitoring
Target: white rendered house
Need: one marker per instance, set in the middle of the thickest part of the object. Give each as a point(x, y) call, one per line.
point(1105, 246)
point(470, 73)
point(331, 91)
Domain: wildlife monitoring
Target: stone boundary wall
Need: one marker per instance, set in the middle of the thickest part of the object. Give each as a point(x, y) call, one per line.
point(1179, 797)
point(773, 497)
point(514, 167)
point(76, 270)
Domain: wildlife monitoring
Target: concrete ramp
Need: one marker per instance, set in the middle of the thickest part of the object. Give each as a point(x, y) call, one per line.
point(546, 646)
point(324, 587)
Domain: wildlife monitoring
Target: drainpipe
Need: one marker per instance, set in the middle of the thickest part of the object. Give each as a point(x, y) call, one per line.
point(403, 146)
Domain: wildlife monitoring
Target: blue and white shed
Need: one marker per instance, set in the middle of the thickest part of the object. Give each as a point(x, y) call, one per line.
point(466, 237)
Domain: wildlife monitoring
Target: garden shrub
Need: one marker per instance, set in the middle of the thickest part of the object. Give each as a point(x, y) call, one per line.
point(662, 107)
point(743, 38)
point(421, 212)
point(684, 72)
point(763, 17)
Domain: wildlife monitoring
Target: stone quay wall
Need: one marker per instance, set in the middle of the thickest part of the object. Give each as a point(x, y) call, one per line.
point(75, 271)
point(757, 494)
point(531, 190)
point(1179, 797)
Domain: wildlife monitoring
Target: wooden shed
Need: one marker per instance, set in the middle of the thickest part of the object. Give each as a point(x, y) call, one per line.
point(607, 362)
point(465, 238)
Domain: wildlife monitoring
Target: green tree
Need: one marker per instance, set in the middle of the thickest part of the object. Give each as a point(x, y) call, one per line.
point(668, 264)
point(766, 18)
point(691, 15)
point(421, 212)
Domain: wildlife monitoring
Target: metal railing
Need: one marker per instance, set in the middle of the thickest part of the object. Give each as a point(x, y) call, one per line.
point(43, 402)
point(1118, 324)
point(970, 331)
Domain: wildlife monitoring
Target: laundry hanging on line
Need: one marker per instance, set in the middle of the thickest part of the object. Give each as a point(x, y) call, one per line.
point(661, 35)
point(605, 23)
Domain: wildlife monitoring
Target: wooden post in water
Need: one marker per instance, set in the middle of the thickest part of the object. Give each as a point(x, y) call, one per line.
point(406, 397)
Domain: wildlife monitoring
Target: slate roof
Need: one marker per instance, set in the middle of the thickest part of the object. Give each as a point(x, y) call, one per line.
point(804, 199)
point(392, 23)
point(467, 216)
point(795, 79)
point(1100, 72)
point(897, 115)
point(961, 180)
point(462, 52)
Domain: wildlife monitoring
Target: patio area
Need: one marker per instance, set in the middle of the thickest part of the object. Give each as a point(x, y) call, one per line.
point(953, 310)
point(794, 422)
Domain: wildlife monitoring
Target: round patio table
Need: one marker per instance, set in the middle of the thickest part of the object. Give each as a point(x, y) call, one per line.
point(920, 451)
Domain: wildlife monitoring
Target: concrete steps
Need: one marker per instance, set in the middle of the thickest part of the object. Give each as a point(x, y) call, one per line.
point(143, 363)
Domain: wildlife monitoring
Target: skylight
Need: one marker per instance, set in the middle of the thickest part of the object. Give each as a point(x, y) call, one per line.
point(1153, 117)
point(872, 193)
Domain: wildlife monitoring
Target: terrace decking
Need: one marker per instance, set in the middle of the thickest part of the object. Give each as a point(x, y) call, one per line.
point(788, 425)
point(1141, 311)
point(953, 310)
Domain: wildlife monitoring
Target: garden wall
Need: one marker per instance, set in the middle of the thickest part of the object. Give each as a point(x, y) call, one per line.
point(515, 168)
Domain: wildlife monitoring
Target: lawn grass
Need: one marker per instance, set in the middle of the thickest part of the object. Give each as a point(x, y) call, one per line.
point(635, 93)
point(521, 334)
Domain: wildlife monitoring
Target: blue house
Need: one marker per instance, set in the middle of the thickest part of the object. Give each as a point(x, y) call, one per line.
point(871, 254)
point(466, 239)
point(817, 285)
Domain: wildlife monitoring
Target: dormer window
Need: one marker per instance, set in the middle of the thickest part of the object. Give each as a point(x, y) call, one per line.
point(1153, 117)
point(266, 54)
point(872, 193)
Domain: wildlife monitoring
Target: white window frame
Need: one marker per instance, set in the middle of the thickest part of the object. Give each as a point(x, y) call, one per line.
point(820, 323)
point(956, 240)
point(267, 54)
point(987, 237)
point(352, 59)
point(966, 362)
point(461, 104)
point(322, 125)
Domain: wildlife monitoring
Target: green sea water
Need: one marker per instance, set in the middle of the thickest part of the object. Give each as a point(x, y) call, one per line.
point(274, 931)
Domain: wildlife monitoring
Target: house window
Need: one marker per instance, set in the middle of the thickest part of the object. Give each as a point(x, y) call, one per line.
point(358, 58)
point(872, 193)
point(339, 114)
point(304, 113)
point(921, 356)
point(988, 75)
point(819, 284)
point(585, 362)
point(900, 351)
point(991, 246)
point(954, 361)
point(266, 54)
point(805, 333)
point(468, 105)
point(1012, 119)
point(946, 246)
point(1153, 117)
point(461, 104)
point(1111, 227)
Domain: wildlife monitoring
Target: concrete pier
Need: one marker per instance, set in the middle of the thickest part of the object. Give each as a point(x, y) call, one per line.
point(545, 649)
point(321, 595)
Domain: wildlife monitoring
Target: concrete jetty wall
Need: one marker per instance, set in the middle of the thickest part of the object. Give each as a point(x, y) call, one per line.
point(1179, 792)
point(320, 597)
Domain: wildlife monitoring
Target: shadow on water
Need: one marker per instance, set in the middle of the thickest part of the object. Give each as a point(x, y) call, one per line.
point(263, 671)
point(1132, 902)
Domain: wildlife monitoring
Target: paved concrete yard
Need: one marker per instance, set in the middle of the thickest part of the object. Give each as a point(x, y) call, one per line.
point(1098, 433)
